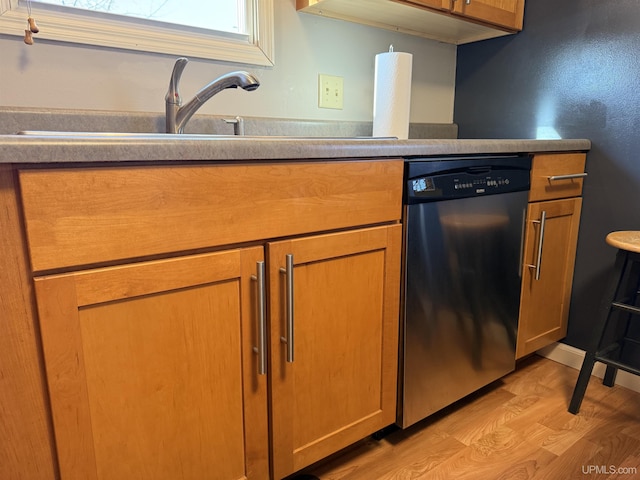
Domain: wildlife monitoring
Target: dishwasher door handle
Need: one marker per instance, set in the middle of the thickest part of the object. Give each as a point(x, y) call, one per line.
point(542, 222)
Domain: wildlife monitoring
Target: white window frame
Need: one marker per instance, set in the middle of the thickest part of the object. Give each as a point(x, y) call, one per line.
point(256, 48)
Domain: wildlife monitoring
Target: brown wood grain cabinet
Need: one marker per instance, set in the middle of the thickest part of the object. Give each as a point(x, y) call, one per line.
point(26, 444)
point(151, 372)
point(156, 320)
point(551, 237)
point(437, 4)
point(340, 384)
point(503, 13)
point(451, 21)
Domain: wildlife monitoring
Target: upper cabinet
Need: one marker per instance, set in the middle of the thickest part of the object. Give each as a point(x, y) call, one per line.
point(449, 21)
point(439, 4)
point(503, 13)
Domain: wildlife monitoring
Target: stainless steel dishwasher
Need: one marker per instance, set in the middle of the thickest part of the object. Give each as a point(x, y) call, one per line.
point(463, 239)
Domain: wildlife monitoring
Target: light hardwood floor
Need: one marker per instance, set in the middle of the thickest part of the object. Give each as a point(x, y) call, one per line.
point(515, 429)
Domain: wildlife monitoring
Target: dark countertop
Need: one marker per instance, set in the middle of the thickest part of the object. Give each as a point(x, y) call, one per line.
point(32, 149)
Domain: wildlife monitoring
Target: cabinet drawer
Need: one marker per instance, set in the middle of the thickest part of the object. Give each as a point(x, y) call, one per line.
point(547, 166)
point(83, 216)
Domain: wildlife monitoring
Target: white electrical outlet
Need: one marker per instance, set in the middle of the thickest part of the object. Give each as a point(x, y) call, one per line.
point(330, 91)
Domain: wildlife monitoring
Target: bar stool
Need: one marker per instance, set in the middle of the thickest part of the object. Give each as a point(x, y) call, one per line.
point(614, 343)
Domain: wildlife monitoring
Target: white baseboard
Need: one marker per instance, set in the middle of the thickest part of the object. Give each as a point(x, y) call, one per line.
point(572, 357)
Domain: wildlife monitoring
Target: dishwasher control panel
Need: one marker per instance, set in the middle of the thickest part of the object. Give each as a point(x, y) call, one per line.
point(460, 178)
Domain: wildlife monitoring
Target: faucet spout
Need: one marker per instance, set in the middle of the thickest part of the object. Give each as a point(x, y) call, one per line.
point(177, 115)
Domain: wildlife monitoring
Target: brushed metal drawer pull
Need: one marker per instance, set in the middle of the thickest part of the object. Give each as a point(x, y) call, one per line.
point(570, 176)
point(288, 339)
point(261, 349)
point(542, 221)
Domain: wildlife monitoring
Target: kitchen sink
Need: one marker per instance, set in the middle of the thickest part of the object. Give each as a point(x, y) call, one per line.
point(183, 136)
point(51, 133)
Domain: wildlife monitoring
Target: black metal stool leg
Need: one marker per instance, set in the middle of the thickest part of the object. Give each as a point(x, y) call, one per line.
point(605, 312)
point(610, 376)
point(581, 384)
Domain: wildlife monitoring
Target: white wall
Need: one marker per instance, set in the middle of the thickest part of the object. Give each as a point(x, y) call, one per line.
point(54, 75)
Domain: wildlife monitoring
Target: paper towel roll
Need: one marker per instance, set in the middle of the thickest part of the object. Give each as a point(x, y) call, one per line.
point(392, 94)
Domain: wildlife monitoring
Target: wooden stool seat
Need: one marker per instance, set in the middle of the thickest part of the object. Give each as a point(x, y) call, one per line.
point(616, 336)
point(625, 240)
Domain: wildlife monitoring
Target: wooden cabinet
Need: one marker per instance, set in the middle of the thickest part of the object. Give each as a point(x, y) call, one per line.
point(150, 292)
point(438, 4)
point(77, 217)
point(340, 383)
point(26, 444)
point(503, 13)
point(151, 369)
point(551, 238)
point(450, 21)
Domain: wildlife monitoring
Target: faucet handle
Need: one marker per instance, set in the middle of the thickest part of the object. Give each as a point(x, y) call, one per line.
point(238, 124)
point(173, 94)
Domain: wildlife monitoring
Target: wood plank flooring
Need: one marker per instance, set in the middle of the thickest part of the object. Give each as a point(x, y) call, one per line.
point(516, 429)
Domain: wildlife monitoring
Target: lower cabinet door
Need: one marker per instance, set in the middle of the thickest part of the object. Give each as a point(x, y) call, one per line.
point(334, 341)
point(549, 256)
point(152, 371)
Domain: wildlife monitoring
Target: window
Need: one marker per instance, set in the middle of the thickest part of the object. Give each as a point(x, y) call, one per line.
point(238, 31)
point(222, 15)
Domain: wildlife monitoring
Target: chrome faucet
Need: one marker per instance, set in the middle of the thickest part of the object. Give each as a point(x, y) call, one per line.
point(178, 115)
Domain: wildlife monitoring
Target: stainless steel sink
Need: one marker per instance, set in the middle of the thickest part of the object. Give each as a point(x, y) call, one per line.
point(50, 133)
point(183, 136)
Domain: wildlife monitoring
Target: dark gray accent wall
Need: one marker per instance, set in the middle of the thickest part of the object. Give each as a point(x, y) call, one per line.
point(574, 70)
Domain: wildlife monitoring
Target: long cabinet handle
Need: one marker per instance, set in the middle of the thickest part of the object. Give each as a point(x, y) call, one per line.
point(570, 176)
point(289, 338)
point(261, 349)
point(542, 222)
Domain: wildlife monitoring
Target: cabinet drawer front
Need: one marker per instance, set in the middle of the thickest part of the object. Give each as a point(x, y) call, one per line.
point(85, 216)
point(546, 166)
